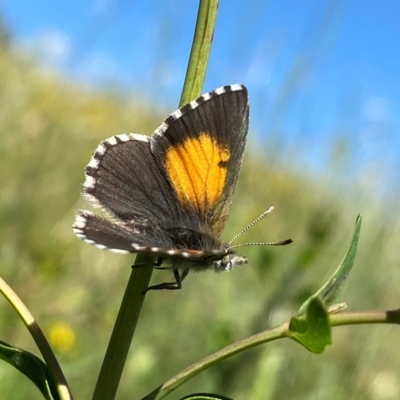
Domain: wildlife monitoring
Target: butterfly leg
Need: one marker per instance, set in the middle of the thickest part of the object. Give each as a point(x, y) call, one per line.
point(170, 285)
point(157, 264)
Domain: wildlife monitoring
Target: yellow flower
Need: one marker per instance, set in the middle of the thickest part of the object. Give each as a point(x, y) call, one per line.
point(62, 337)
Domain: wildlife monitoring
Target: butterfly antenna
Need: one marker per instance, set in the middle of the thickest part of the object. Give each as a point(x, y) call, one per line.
point(251, 224)
point(280, 243)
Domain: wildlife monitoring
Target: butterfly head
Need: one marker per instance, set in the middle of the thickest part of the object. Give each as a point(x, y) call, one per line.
point(229, 262)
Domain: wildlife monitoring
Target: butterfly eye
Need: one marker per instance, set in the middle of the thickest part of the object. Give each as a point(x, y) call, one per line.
point(226, 261)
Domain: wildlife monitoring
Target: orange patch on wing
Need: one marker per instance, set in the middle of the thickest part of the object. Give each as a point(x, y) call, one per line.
point(197, 169)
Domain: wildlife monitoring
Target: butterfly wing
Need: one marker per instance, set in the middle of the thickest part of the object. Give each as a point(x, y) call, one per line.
point(124, 238)
point(201, 147)
point(182, 176)
point(124, 179)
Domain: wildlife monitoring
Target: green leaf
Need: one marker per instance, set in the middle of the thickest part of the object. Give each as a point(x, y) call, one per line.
point(313, 329)
point(32, 367)
point(205, 396)
point(330, 292)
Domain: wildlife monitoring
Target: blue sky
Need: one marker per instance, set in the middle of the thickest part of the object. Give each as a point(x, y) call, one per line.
point(319, 73)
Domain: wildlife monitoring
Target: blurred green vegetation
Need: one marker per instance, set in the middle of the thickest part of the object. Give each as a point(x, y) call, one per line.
point(48, 128)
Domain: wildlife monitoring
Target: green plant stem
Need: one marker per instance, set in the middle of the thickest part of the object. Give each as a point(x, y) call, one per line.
point(205, 363)
point(200, 53)
point(366, 317)
point(282, 331)
point(39, 338)
point(121, 338)
point(124, 328)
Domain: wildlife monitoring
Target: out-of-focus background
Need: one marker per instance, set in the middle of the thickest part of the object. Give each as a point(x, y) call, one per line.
point(324, 86)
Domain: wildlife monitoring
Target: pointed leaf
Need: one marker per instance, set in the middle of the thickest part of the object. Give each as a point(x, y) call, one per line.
point(312, 329)
point(32, 367)
point(331, 290)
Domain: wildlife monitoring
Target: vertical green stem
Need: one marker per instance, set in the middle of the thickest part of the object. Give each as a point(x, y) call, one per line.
point(124, 328)
point(201, 48)
point(121, 338)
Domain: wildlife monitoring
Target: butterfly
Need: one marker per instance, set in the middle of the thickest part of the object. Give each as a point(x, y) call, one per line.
point(170, 194)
